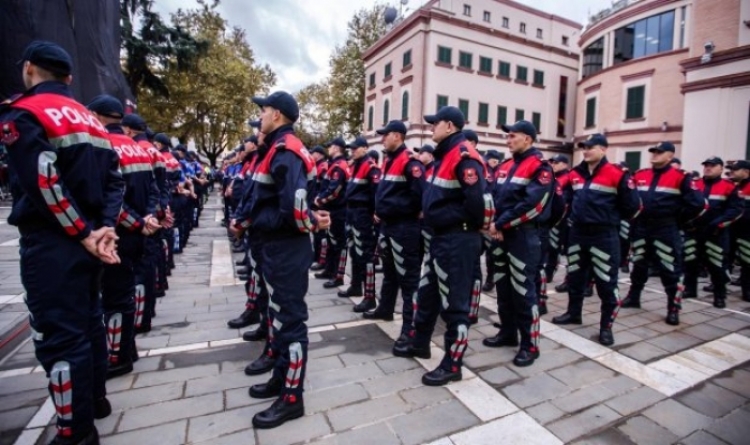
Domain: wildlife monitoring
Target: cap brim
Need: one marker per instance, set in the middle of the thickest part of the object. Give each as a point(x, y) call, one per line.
point(431, 119)
point(382, 131)
point(260, 101)
point(582, 145)
point(655, 150)
point(711, 163)
point(508, 128)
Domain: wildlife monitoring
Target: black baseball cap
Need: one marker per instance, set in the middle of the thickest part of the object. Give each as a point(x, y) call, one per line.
point(253, 139)
point(358, 142)
point(714, 160)
point(523, 127)
point(662, 147)
point(594, 139)
point(338, 141)
point(737, 165)
point(282, 101)
point(493, 154)
point(676, 161)
point(106, 105)
point(560, 158)
point(471, 135)
point(374, 155)
point(135, 122)
point(318, 149)
point(393, 127)
point(427, 148)
point(49, 56)
point(182, 148)
point(449, 114)
point(254, 123)
point(163, 139)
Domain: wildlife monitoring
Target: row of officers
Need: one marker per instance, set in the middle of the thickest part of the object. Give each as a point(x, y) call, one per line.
point(102, 205)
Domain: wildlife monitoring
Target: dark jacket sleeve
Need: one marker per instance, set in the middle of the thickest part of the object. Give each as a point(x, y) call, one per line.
point(114, 189)
point(288, 172)
point(476, 201)
point(538, 193)
point(334, 187)
point(733, 211)
point(373, 176)
point(415, 178)
point(628, 200)
point(694, 203)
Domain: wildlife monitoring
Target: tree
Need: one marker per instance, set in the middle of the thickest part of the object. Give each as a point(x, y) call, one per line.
point(314, 111)
point(212, 102)
point(155, 45)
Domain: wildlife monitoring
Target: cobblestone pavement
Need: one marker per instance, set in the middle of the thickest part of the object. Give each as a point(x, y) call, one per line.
point(659, 384)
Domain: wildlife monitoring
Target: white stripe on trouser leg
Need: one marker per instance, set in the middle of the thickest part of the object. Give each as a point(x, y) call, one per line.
point(517, 277)
point(601, 269)
point(62, 389)
point(459, 346)
point(370, 281)
point(442, 286)
point(475, 295)
point(535, 326)
point(573, 258)
point(140, 303)
point(323, 250)
point(296, 362)
point(114, 333)
point(618, 303)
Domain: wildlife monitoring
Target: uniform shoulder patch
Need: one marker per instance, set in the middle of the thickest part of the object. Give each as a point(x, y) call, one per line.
point(631, 183)
point(470, 176)
point(545, 177)
point(8, 133)
point(416, 171)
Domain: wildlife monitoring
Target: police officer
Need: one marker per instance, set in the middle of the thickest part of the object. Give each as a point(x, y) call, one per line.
point(493, 158)
point(333, 199)
point(602, 194)
point(427, 157)
point(456, 207)
point(279, 213)
point(320, 243)
point(162, 237)
point(472, 139)
point(707, 238)
point(398, 203)
point(558, 235)
point(66, 204)
point(740, 173)
point(360, 207)
point(522, 193)
point(668, 196)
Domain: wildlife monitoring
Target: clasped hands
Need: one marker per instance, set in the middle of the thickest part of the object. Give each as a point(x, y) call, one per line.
point(102, 243)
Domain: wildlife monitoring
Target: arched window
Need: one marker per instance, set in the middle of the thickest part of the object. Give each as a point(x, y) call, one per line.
point(386, 110)
point(405, 105)
point(370, 112)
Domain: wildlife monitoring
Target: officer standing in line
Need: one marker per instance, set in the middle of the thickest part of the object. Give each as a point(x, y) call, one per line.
point(523, 191)
point(456, 206)
point(136, 221)
point(360, 207)
point(493, 162)
point(472, 139)
point(707, 238)
point(320, 242)
point(398, 204)
point(66, 204)
point(558, 235)
point(333, 199)
point(602, 194)
point(280, 213)
point(669, 196)
point(162, 237)
point(427, 158)
point(740, 173)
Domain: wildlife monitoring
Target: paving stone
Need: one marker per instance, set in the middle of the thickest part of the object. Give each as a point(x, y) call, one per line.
point(499, 376)
point(549, 360)
point(545, 412)
point(152, 342)
point(677, 418)
point(518, 428)
point(305, 428)
point(733, 428)
point(644, 332)
point(675, 341)
point(493, 357)
point(643, 352)
point(356, 358)
point(163, 434)
point(582, 374)
point(175, 375)
point(425, 396)
point(215, 425)
point(34, 397)
point(610, 436)
point(731, 323)
point(711, 400)
point(125, 400)
point(394, 382)
point(107, 425)
point(583, 398)
point(433, 422)
point(736, 381)
point(17, 418)
point(344, 376)
point(169, 411)
point(702, 438)
point(396, 364)
point(245, 437)
point(210, 384)
point(642, 430)
point(579, 424)
point(534, 390)
point(635, 400)
point(373, 410)
point(22, 383)
point(370, 435)
point(327, 399)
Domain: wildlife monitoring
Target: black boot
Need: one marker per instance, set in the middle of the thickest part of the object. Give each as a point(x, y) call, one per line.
point(272, 388)
point(709, 287)
point(283, 409)
point(408, 350)
point(720, 302)
point(377, 315)
point(352, 291)
point(102, 408)
point(333, 282)
point(525, 358)
point(245, 319)
point(120, 369)
point(261, 333)
point(567, 318)
point(317, 266)
point(542, 305)
point(500, 340)
point(606, 338)
point(489, 286)
point(562, 287)
point(365, 305)
point(673, 318)
point(260, 365)
point(589, 291)
point(440, 377)
point(92, 438)
point(324, 276)
point(630, 302)
point(242, 271)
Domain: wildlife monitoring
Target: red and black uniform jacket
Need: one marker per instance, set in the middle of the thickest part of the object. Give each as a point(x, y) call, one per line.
point(399, 194)
point(455, 197)
point(603, 197)
point(724, 203)
point(67, 173)
point(285, 174)
point(141, 192)
point(333, 194)
point(743, 192)
point(360, 191)
point(669, 195)
point(523, 190)
point(173, 170)
point(160, 172)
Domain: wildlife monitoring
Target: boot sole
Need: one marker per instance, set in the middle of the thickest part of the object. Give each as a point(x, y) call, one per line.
point(258, 371)
point(408, 355)
point(267, 425)
point(256, 395)
point(455, 378)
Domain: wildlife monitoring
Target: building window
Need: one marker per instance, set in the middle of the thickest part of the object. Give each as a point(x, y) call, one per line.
point(467, 10)
point(522, 28)
point(683, 17)
point(645, 37)
point(372, 79)
point(407, 59)
point(388, 70)
point(636, 102)
point(484, 113)
point(633, 160)
point(591, 112)
point(565, 40)
point(539, 78)
point(445, 55)
point(370, 112)
point(536, 119)
point(539, 33)
point(405, 105)
point(464, 59)
point(520, 115)
point(386, 111)
point(504, 69)
point(502, 115)
point(506, 22)
point(485, 65)
point(521, 73)
point(442, 101)
point(562, 106)
point(487, 16)
point(463, 105)
point(593, 58)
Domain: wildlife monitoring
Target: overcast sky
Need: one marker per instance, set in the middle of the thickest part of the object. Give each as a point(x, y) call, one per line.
point(296, 37)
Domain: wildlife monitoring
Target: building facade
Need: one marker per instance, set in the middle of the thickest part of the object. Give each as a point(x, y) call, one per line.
point(497, 60)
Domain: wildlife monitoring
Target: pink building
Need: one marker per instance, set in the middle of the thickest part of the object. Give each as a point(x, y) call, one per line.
point(497, 60)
